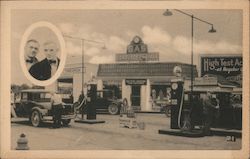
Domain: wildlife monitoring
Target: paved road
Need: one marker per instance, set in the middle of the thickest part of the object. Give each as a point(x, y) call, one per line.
point(110, 135)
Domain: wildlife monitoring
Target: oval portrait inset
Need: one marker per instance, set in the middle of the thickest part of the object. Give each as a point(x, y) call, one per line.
point(43, 53)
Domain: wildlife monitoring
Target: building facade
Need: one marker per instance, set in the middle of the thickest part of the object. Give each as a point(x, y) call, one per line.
point(136, 75)
point(139, 77)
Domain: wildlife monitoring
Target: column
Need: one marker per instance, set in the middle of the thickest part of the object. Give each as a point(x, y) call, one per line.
point(126, 91)
point(148, 106)
point(77, 86)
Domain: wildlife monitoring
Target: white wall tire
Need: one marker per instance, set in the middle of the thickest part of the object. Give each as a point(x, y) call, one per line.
point(35, 118)
point(113, 109)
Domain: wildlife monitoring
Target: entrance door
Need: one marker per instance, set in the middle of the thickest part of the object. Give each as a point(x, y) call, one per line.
point(136, 96)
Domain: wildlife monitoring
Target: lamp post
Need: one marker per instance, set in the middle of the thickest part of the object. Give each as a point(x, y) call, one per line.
point(212, 30)
point(82, 55)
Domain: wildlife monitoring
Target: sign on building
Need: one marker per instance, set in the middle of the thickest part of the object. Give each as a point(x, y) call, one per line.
point(228, 66)
point(136, 82)
point(201, 81)
point(137, 51)
point(137, 57)
point(74, 69)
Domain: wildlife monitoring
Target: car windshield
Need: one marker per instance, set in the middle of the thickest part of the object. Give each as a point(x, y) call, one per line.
point(41, 97)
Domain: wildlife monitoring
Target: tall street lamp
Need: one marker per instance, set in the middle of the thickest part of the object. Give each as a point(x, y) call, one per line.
point(82, 47)
point(212, 30)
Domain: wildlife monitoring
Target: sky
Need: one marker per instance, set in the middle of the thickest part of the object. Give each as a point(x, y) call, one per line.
point(170, 36)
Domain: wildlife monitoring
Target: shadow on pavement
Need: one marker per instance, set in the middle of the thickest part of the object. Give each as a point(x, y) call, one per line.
point(28, 123)
point(46, 124)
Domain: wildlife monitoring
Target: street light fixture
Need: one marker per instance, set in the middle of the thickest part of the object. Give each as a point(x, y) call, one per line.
point(167, 13)
point(212, 30)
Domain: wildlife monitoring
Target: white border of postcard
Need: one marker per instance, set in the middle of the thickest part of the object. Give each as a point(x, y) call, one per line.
point(6, 8)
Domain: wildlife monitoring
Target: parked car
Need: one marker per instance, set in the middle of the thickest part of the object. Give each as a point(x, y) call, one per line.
point(35, 104)
point(107, 101)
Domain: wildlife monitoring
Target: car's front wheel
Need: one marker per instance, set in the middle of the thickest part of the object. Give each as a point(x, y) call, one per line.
point(35, 118)
point(113, 109)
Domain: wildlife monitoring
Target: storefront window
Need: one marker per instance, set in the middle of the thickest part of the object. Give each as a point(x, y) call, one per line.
point(65, 88)
point(160, 95)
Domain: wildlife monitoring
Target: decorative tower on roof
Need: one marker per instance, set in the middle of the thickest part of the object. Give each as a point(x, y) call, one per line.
point(137, 51)
point(137, 46)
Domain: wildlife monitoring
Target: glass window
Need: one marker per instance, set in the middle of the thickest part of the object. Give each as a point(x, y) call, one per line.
point(115, 88)
point(160, 95)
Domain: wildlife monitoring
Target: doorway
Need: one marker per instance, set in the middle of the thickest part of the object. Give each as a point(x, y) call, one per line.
point(136, 96)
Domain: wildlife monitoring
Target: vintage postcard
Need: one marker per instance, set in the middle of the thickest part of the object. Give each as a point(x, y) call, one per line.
point(124, 79)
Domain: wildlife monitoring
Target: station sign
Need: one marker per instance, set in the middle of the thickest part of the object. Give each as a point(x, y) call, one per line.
point(137, 57)
point(74, 70)
point(205, 81)
point(228, 66)
point(135, 81)
point(137, 51)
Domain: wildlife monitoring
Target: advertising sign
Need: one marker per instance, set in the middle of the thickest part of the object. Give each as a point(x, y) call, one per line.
point(74, 69)
point(137, 57)
point(136, 81)
point(137, 51)
point(228, 66)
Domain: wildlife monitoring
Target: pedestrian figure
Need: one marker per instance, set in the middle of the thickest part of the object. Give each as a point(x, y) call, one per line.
point(82, 103)
point(13, 106)
point(56, 102)
point(216, 111)
point(71, 98)
point(208, 107)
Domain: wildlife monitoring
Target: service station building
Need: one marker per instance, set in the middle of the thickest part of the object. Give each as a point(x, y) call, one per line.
point(138, 76)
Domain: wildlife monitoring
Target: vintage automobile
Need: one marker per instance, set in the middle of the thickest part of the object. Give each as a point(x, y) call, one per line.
point(35, 104)
point(107, 101)
point(165, 106)
point(104, 101)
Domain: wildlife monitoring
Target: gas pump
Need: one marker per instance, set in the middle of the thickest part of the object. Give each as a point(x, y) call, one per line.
point(91, 96)
point(177, 92)
point(91, 108)
point(180, 121)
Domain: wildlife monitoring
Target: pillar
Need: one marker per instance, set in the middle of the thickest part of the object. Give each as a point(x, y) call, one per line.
point(126, 91)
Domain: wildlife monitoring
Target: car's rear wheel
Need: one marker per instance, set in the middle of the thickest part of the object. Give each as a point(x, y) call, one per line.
point(35, 118)
point(66, 122)
point(113, 109)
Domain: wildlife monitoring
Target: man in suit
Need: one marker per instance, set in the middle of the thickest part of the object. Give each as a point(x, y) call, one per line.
point(46, 68)
point(31, 49)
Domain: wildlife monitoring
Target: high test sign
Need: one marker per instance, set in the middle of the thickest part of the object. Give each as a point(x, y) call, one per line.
point(229, 66)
